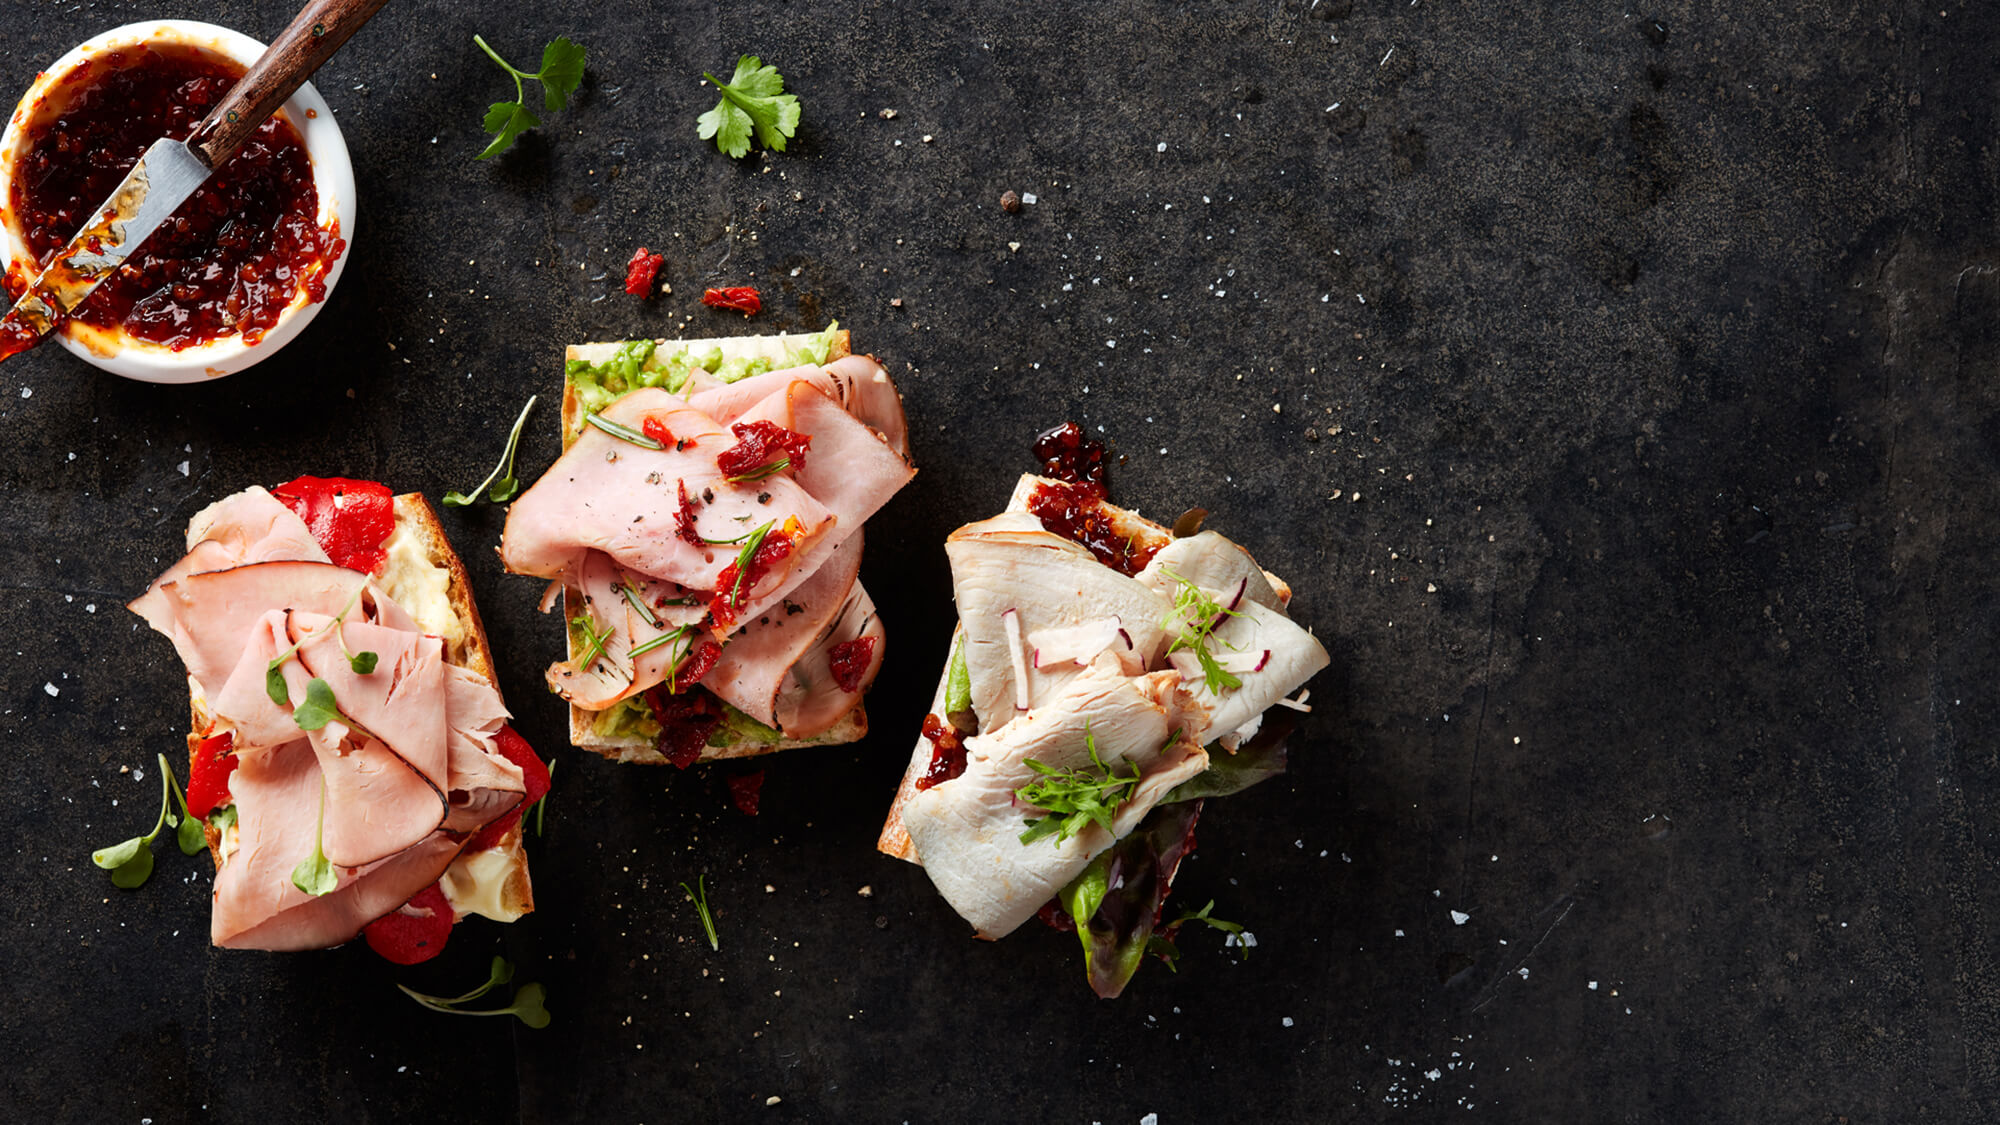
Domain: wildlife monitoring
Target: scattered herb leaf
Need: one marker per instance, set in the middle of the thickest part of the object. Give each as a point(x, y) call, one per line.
point(561, 73)
point(753, 99)
point(499, 485)
point(698, 894)
point(131, 861)
point(1234, 929)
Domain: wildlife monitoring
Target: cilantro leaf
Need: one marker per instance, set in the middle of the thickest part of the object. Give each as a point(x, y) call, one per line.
point(499, 485)
point(561, 73)
point(753, 101)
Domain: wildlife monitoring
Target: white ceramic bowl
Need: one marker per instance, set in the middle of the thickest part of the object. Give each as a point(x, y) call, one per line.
point(333, 180)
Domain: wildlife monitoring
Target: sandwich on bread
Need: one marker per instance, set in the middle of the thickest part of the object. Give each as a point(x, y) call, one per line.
point(1107, 676)
point(703, 531)
point(345, 722)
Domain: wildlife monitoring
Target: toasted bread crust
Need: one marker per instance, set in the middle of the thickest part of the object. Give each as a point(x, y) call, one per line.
point(416, 517)
point(851, 726)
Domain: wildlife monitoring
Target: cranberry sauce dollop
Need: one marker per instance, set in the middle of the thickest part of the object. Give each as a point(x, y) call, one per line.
point(1074, 509)
point(1067, 455)
point(234, 255)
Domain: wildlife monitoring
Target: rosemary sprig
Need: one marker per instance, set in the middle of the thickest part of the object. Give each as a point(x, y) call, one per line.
point(698, 894)
point(622, 433)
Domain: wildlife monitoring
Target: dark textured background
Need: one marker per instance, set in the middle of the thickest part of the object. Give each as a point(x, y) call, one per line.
point(1636, 462)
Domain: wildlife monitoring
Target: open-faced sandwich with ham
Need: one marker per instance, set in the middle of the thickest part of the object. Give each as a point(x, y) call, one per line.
point(350, 754)
point(703, 531)
point(1108, 675)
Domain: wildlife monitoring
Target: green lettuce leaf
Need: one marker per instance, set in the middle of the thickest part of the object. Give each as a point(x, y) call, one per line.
point(1116, 901)
point(1260, 758)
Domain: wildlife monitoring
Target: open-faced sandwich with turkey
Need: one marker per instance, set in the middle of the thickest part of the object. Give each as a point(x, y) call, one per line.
point(350, 755)
point(1107, 676)
point(703, 531)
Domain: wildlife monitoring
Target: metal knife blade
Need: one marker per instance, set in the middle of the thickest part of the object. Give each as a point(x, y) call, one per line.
point(152, 191)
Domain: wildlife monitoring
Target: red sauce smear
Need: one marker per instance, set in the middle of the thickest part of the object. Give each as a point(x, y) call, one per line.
point(416, 932)
point(760, 447)
point(745, 789)
point(350, 519)
point(1067, 455)
point(208, 774)
point(534, 773)
point(232, 258)
point(641, 272)
point(850, 660)
point(742, 298)
point(1076, 512)
point(731, 595)
point(686, 721)
point(947, 753)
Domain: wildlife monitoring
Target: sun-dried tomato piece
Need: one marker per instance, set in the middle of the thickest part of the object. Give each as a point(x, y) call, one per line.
point(534, 772)
point(657, 430)
point(349, 519)
point(686, 720)
point(731, 595)
point(742, 298)
point(208, 774)
point(850, 660)
point(414, 932)
point(684, 519)
point(642, 271)
point(745, 789)
point(759, 449)
point(699, 663)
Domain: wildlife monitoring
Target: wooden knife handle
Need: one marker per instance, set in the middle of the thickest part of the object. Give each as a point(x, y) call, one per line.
point(321, 27)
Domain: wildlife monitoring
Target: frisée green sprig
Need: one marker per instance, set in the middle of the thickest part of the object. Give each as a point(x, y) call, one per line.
point(1193, 621)
point(1077, 797)
point(561, 74)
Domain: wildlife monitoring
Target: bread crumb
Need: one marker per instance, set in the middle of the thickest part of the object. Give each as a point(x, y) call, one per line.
point(775, 1099)
point(866, 892)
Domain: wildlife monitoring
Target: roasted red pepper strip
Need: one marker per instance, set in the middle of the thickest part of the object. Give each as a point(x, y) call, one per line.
point(745, 789)
point(742, 298)
point(642, 271)
point(760, 447)
point(534, 772)
point(208, 774)
point(657, 430)
point(349, 519)
point(850, 660)
point(416, 931)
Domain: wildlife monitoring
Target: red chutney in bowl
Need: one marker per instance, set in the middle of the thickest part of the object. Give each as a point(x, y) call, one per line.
point(235, 255)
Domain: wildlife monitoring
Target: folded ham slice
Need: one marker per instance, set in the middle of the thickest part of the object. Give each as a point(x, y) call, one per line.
point(611, 521)
point(390, 790)
point(968, 830)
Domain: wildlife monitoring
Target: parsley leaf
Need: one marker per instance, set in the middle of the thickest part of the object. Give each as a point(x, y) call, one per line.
point(528, 1004)
point(503, 486)
point(753, 100)
point(1077, 797)
point(561, 73)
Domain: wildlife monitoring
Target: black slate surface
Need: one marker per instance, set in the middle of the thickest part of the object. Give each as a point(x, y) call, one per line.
point(1616, 386)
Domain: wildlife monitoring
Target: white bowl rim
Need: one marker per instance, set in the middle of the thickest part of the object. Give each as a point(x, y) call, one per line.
point(333, 182)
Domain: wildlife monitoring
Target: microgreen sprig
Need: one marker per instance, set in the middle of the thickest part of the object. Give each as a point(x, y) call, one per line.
point(1078, 796)
point(698, 894)
point(527, 1005)
point(1233, 929)
point(274, 678)
point(1194, 620)
point(314, 874)
point(499, 485)
point(131, 862)
point(561, 73)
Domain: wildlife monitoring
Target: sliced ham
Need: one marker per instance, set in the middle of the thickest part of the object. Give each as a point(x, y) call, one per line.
point(856, 382)
point(483, 783)
point(255, 904)
point(610, 495)
point(209, 617)
point(754, 664)
point(967, 831)
point(810, 700)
